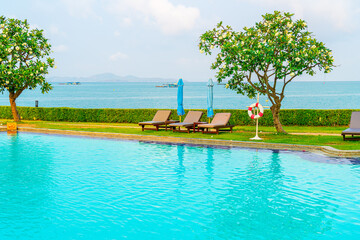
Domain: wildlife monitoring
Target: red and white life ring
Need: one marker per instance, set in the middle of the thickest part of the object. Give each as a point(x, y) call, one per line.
point(261, 111)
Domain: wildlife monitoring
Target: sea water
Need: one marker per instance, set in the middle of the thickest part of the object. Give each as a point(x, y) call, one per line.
point(298, 95)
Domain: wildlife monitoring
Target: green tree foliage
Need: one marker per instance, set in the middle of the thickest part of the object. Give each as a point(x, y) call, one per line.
point(24, 59)
point(267, 57)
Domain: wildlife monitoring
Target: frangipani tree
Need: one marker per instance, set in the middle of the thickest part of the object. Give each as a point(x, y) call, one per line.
point(267, 57)
point(24, 59)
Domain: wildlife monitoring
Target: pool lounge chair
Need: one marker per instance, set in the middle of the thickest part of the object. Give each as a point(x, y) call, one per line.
point(188, 123)
point(161, 119)
point(354, 127)
point(220, 121)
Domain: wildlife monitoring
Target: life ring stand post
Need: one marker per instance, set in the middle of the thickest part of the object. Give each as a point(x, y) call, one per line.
point(259, 114)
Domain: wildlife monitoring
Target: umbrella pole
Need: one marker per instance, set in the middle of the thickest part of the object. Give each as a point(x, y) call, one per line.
point(209, 120)
point(180, 118)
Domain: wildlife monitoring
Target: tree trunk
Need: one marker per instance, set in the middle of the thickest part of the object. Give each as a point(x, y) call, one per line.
point(275, 109)
point(14, 110)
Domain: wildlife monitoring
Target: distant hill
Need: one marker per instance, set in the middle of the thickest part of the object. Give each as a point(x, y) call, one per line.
point(108, 77)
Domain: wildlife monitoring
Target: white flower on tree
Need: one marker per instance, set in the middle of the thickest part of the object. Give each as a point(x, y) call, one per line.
point(19, 62)
point(270, 60)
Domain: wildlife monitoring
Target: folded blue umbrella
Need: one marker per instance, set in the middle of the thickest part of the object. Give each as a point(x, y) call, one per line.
point(180, 98)
point(210, 96)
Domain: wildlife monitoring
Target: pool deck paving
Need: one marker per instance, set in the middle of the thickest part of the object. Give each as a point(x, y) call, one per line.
point(329, 151)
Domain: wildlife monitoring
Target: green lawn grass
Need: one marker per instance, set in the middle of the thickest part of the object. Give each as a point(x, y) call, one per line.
point(241, 133)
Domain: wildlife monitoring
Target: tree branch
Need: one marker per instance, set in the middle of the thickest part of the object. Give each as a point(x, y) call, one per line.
point(286, 82)
point(254, 86)
point(18, 92)
point(275, 82)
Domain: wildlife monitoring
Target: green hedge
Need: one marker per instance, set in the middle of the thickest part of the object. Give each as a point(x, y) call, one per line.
point(300, 117)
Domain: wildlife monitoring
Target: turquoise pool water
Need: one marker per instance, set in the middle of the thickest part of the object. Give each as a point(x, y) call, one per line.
point(57, 187)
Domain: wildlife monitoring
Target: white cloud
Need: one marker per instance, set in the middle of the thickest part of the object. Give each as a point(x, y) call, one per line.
point(56, 31)
point(170, 18)
point(81, 8)
point(188, 61)
point(60, 48)
point(35, 26)
point(127, 21)
point(173, 19)
point(341, 14)
point(118, 56)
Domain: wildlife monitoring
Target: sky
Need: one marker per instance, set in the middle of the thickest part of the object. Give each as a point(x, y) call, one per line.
point(159, 38)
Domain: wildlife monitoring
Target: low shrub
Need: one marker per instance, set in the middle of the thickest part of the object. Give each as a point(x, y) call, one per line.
point(289, 117)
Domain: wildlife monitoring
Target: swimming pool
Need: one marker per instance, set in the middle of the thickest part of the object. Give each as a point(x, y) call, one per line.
point(58, 187)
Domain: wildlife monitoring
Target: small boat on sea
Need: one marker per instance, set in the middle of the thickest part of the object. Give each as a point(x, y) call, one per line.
point(70, 83)
point(168, 85)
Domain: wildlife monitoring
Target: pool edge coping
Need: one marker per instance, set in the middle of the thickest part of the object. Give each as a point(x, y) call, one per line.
point(327, 150)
